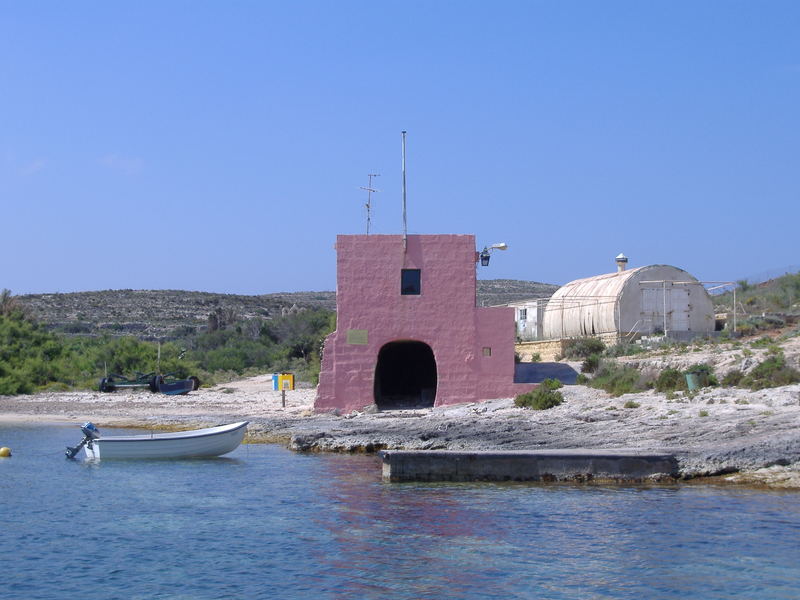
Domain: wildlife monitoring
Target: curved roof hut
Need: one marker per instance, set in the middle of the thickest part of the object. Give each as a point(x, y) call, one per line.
point(644, 300)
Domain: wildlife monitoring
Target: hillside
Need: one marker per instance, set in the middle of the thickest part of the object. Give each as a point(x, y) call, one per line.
point(162, 314)
point(168, 314)
point(494, 292)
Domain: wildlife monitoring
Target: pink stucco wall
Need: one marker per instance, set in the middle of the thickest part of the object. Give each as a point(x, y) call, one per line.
point(444, 316)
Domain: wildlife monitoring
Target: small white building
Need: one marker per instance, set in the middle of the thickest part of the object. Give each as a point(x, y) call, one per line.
point(528, 315)
point(631, 302)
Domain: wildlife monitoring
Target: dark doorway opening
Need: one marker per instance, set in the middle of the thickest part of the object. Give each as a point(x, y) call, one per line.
point(405, 376)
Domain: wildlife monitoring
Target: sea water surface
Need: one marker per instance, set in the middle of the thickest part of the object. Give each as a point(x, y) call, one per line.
point(268, 523)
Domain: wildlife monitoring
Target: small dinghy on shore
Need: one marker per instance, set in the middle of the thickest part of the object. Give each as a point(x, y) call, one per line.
point(197, 443)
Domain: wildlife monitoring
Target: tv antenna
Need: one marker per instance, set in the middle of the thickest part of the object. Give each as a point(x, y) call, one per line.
point(369, 191)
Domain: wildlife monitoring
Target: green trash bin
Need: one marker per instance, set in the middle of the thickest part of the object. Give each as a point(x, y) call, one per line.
point(696, 380)
point(692, 381)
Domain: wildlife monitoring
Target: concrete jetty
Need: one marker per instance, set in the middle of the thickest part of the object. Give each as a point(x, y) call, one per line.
point(578, 465)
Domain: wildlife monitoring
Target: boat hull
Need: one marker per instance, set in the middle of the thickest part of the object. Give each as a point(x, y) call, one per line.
point(176, 388)
point(198, 443)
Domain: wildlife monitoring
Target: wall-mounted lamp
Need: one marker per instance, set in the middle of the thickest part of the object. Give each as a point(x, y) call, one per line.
point(486, 252)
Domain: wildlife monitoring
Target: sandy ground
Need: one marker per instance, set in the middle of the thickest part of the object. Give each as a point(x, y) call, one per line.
point(748, 437)
point(252, 399)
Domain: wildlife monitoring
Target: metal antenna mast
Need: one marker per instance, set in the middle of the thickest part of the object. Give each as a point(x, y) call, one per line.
point(405, 222)
point(369, 191)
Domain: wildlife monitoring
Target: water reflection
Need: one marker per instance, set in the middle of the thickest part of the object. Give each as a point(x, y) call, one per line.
point(511, 540)
point(452, 539)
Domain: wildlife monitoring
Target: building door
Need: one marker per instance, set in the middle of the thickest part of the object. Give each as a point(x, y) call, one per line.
point(652, 316)
point(679, 302)
point(405, 376)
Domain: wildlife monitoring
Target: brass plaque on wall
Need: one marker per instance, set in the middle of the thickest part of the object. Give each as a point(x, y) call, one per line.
point(357, 337)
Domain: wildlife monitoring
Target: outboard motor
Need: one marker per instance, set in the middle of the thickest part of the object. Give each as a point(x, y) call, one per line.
point(90, 432)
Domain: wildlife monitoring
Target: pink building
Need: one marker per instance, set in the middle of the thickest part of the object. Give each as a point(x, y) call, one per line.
point(408, 331)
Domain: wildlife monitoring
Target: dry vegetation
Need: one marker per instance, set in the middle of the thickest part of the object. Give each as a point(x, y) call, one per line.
point(157, 314)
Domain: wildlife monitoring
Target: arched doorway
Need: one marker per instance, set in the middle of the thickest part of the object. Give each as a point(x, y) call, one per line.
point(405, 376)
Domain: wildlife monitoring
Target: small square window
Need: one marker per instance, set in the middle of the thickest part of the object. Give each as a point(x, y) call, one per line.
point(487, 351)
point(410, 282)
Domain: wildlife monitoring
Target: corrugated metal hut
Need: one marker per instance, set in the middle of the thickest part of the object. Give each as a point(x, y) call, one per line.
point(640, 301)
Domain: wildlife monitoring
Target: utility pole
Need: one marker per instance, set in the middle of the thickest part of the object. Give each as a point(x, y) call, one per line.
point(369, 191)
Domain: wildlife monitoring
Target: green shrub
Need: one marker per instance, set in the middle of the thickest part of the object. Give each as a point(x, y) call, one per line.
point(623, 349)
point(30, 357)
point(543, 397)
point(670, 380)
point(582, 379)
point(733, 378)
point(285, 343)
point(617, 379)
point(583, 347)
point(757, 323)
point(590, 364)
point(763, 342)
point(773, 372)
point(552, 384)
point(631, 404)
point(703, 413)
point(33, 358)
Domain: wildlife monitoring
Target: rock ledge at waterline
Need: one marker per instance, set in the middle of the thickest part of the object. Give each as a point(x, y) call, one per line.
point(752, 436)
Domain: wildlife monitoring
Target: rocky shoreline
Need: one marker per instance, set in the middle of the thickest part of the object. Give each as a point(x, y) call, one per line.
point(745, 436)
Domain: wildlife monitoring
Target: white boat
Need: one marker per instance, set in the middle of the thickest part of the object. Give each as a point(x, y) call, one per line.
point(197, 443)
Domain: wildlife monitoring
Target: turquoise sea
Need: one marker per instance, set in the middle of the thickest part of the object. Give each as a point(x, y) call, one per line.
point(268, 523)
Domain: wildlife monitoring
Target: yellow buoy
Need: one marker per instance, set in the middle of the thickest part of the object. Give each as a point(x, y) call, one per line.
point(5, 452)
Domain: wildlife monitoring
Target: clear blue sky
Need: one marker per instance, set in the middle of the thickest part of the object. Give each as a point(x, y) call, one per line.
point(220, 146)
